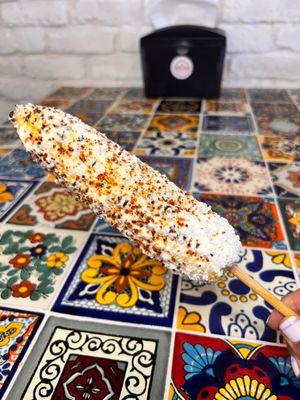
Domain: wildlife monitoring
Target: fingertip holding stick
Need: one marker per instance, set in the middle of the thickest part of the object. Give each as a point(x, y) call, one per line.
point(269, 297)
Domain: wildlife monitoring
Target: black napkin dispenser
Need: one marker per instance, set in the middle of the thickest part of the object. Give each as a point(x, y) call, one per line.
point(183, 61)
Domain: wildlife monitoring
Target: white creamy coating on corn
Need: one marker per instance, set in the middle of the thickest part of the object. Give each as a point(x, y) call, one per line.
point(167, 223)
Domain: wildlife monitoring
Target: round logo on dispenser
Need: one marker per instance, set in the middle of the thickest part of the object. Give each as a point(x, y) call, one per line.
point(181, 67)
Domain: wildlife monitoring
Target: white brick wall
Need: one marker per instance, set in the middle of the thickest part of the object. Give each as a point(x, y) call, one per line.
point(48, 43)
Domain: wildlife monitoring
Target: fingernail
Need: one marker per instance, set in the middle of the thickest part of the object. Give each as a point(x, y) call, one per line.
point(268, 319)
point(290, 327)
point(295, 367)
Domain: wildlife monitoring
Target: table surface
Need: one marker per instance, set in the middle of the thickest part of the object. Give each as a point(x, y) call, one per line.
point(71, 328)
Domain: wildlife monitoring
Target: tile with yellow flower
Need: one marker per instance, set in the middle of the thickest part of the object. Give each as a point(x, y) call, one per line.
point(113, 279)
point(297, 262)
point(16, 332)
point(51, 206)
point(11, 193)
point(290, 211)
point(33, 263)
point(206, 368)
point(231, 308)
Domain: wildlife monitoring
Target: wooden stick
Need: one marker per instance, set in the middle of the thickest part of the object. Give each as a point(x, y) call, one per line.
point(261, 291)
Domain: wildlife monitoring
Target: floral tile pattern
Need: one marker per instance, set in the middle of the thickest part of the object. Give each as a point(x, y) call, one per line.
point(18, 165)
point(235, 146)
point(178, 170)
point(17, 331)
point(94, 361)
point(215, 123)
point(226, 107)
point(241, 155)
point(33, 263)
point(174, 123)
point(114, 280)
point(126, 139)
point(218, 369)
point(11, 192)
point(167, 144)
point(123, 122)
point(269, 96)
point(179, 107)
point(286, 179)
point(231, 308)
point(290, 211)
point(130, 106)
point(51, 206)
point(281, 148)
point(255, 219)
point(231, 176)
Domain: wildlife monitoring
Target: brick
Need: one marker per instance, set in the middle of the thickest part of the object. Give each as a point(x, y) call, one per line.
point(33, 12)
point(128, 40)
point(277, 65)
point(260, 11)
point(244, 38)
point(54, 67)
point(288, 36)
point(82, 39)
point(182, 12)
point(11, 66)
point(30, 40)
point(8, 43)
point(116, 67)
point(108, 12)
point(23, 89)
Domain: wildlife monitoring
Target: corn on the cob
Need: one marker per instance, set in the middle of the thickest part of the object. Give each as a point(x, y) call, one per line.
point(167, 223)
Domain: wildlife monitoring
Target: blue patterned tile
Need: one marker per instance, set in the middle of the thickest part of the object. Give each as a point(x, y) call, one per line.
point(8, 137)
point(178, 170)
point(11, 193)
point(231, 308)
point(114, 280)
point(126, 139)
point(215, 123)
point(286, 179)
point(18, 165)
point(103, 227)
point(269, 96)
point(123, 122)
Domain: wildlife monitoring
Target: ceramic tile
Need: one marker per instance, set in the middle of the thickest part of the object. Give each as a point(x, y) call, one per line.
point(290, 211)
point(11, 193)
point(226, 107)
point(178, 170)
point(123, 122)
point(233, 94)
point(286, 179)
point(58, 103)
point(114, 280)
point(134, 93)
point(69, 93)
point(255, 219)
point(33, 264)
point(288, 125)
point(73, 359)
point(238, 176)
point(295, 94)
point(174, 123)
point(296, 257)
point(274, 109)
point(4, 151)
point(52, 206)
point(18, 165)
point(105, 93)
point(231, 308)
point(167, 144)
point(218, 123)
point(90, 107)
point(219, 369)
point(130, 106)
point(17, 330)
point(269, 96)
point(280, 148)
point(102, 227)
point(234, 146)
point(179, 107)
point(126, 139)
point(8, 137)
